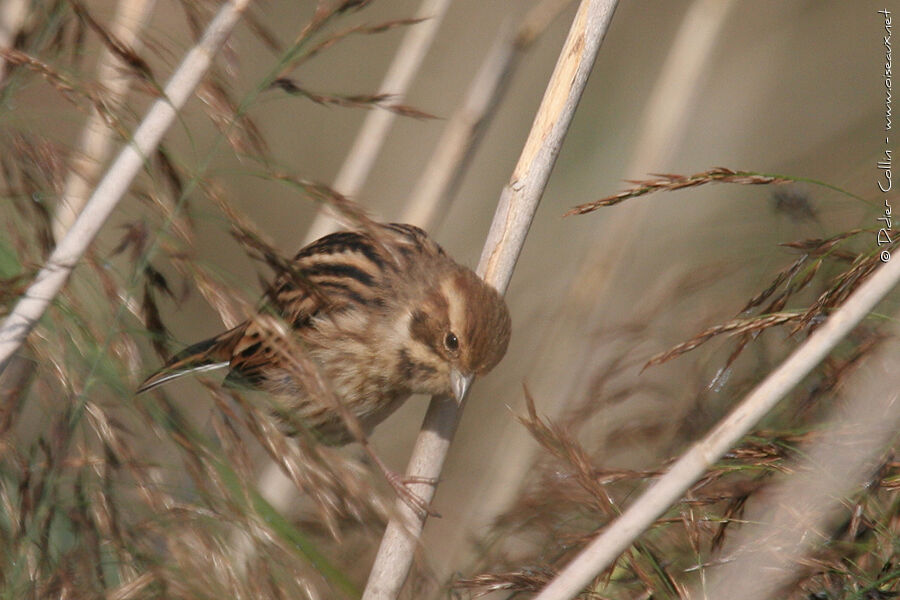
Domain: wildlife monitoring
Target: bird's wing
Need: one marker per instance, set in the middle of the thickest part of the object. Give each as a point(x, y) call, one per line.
point(339, 272)
point(208, 355)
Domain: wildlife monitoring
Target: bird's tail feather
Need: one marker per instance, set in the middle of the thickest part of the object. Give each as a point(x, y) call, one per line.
point(208, 355)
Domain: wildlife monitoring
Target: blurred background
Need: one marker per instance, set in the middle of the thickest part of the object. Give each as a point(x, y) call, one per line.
point(788, 88)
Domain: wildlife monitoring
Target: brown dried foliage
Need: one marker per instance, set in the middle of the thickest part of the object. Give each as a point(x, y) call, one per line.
point(788, 283)
point(33, 172)
point(573, 491)
point(336, 37)
point(66, 86)
point(559, 513)
point(671, 182)
point(293, 87)
point(239, 129)
point(137, 65)
point(735, 327)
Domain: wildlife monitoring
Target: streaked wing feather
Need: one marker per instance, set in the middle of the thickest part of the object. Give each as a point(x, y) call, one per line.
point(338, 272)
point(210, 354)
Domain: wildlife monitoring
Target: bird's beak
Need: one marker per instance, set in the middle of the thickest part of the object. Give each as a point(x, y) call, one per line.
point(459, 383)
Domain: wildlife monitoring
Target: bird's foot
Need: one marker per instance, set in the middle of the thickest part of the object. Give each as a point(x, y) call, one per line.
point(401, 484)
point(401, 487)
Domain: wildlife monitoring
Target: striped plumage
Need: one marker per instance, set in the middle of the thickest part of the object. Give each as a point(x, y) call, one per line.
point(381, 313)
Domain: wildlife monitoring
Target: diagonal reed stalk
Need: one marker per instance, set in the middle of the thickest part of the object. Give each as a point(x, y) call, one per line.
point(515, 211)
point(797, 517)
point(96, 141)
point(604, 549)
point(12, 16)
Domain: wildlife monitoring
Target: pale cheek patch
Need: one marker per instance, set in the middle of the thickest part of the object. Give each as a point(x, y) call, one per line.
point(430, 372)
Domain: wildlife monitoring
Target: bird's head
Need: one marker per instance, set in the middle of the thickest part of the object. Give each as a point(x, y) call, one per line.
point(461, 329)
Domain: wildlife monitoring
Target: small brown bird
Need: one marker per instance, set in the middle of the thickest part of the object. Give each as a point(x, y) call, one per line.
point(382, 313)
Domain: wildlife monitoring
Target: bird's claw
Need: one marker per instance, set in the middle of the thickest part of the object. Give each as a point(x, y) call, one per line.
point(410, 498)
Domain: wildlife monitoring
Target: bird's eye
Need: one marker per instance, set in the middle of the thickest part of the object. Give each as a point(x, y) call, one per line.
point(451, 342)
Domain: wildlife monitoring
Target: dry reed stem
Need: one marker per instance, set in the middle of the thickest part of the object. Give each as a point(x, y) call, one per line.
point(371, 136)
point(430, 198)
point(615, 539)
point(115, 183)
point(795, 518)
point(62, 83)
point(515, 211)
point(12, 17)
point(663, 121)
point(95, 143)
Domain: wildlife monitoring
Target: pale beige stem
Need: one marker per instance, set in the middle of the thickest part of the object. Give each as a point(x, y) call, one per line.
point(662, 123)
point(96, 141)
point(515, 211)
point(436, 186)
point(797, 516)
point(12, 17)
